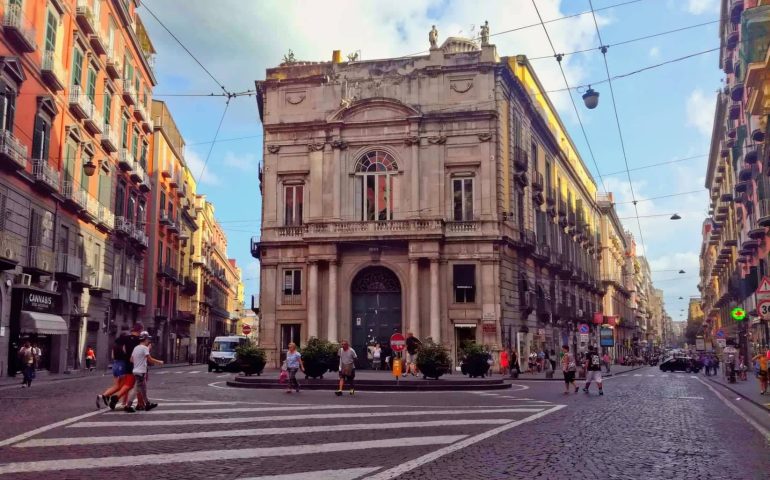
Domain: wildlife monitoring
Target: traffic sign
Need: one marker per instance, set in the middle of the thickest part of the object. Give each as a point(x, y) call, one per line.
point(583, 338)
point(764, 287)
point(583, 329)
point(246, 329)
point(721, 342)
point(764, 309)
point(720, 333)
point(738, 314)
point(397, 342)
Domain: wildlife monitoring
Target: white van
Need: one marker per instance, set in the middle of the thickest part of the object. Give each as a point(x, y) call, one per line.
point(222, 355)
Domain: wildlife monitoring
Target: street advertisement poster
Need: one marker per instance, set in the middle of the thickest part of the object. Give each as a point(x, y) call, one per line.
point(700, 344)
point(606, 337)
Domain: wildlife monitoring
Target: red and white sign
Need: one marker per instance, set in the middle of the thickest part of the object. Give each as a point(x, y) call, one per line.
point(764, 287)
point(246, 329)
point(397, 342)
point(763, 308)
point(598, 318)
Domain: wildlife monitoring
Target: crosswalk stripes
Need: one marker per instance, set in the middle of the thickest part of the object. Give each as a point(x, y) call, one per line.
point(197, 432)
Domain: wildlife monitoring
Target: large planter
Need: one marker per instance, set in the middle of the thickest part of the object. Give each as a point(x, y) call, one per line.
point(433, 360)
point(475, 365)
point(319, 356)
point(250, 359)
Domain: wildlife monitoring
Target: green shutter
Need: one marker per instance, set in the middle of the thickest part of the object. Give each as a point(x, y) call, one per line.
point(91, 84)
point(107, 107)
point(50, 32)
point(77, 67)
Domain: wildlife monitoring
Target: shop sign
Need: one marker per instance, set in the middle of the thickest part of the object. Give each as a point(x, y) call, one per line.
point(37, 301)
point(489, 327)
point(606, 337)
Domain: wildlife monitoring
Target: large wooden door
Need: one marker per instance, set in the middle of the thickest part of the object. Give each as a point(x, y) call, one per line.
point(376, 298)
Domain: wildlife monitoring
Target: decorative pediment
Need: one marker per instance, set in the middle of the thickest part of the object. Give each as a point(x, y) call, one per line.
point(10, 67)
point(47, 105)
point(74, 132)
point(374, 110)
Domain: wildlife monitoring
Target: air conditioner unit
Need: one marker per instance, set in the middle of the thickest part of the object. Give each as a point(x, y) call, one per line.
point(52, 286)
point(24, 279)
point(579, 313)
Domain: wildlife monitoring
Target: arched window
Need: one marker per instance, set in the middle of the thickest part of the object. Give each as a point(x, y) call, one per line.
point(374, 186)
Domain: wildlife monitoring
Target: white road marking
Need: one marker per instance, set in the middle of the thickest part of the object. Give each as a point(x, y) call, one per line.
point(251, 432)
point(345, 474)
point(690, 398)
point(417, 462)
point(220, 455)
point(223, 375)
point(765, 433)
point(32, 433)
point(263, 409)
point(195, 371)
point(180, 373)
point(650, 375)
point(637, 375)
point(318, 416)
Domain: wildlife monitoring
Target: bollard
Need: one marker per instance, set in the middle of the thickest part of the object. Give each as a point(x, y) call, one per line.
point(397, 368)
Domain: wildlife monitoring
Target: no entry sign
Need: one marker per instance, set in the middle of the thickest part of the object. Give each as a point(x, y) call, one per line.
point(246, 329)
point(397, 342)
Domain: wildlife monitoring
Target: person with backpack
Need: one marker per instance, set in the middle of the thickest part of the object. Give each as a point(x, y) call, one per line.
point(593, 369)
point(568, 368)
point(27, 359)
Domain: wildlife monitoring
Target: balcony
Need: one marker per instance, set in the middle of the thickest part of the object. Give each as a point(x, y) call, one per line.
point(52, 73)
point(46, 177)
point(120, 293)
point(85, 17)
point(140, 114)
point(164, 218)
point(98, 43)
point(189, 286)
point(68, 266)
point(537, 181)
point(732, 39)
point(728, 65)
point(87, 276)
point(173, 225)
point(734, 112)
point(41, 260)
point(161, 313)
point(125, 160)
point(91, 211)
point(764, 213)
point(13, 153)
point(173, 182)
point(520, 159)
point(94, 122)
point(129, 94)
point(109, 138)
point(80, 104)
point(736, 92)
point(139, 237)
point(736, 9)
point(18, 29)
point(148, 126)
point(123, 226)
point(751, 154)
point(747, 172)
point(743, 186)
point(528, 238)
point(351, 231)
point(105, 218)
point(10, 250)
point(137, 297)
point(113, 66)
point(73, 195)
point(102, 283)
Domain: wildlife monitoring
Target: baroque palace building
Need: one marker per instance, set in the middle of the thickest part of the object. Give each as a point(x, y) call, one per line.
point(437, 194)
point(79, 186)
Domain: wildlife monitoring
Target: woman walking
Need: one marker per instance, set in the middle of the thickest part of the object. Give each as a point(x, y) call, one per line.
point(504, 362)
point(293, 363)
point(377, 356)
point(90, 359)
point(761, 359)
point(568, 368)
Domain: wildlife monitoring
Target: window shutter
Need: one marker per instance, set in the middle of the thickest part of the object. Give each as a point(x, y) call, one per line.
point(38, 138)
point(11, 98)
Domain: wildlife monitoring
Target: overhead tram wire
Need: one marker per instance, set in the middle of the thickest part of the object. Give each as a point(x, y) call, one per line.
point(566, 82)
point(219, 127)
point(703, 190)
point(617, 122)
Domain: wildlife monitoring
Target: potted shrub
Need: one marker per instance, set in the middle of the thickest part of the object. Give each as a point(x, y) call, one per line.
point(433, 360)
point(251, 359)
point(475, 360)
point(319, 356)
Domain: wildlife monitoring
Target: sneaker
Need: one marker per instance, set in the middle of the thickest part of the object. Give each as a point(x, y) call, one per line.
point(113, 402)
point(352, 391)
point(98, 402)
point(106, 400)
point(576, 389)
point(338, 393)
point(150, 406)
point(129, 409)
point(585, 390)
point(601, 392)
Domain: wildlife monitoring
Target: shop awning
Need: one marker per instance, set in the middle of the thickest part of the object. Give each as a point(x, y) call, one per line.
point(465, 325)
point(43, 323)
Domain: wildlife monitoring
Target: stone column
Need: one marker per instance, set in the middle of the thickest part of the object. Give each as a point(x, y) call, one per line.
point(332, 320)
point(435, 316)
point(414, 306)
point(312, 300)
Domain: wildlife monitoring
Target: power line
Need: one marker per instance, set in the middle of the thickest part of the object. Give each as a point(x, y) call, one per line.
point(632, 40)
point(185, 49)
point(219, 127)
point(617, 122)
point(653, 165)
point(577, 113)
point(662, 196)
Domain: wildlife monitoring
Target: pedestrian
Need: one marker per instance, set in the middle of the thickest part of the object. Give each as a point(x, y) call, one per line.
point(504, 367)
point(347, 368)
point(27, 360)
point(593, 368)
point(540, 360)
point(568, 368)
point(412, 349)
point(293, 363)
point(515, 363)
point(707, 365)
point(38, 355)
point(606, 360)
point(90, 358)
point(140, 359)
point(553, 360)
point(761, 360)
point(121, 369)
point(377, 356)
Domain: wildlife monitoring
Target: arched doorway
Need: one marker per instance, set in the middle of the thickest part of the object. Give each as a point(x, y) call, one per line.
point(376, 298)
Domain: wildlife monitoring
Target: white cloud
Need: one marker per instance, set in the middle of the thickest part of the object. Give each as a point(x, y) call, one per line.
point(195, 163)
point(698, 7)
point(246, 162)
point(654, 52)
point(700, 111)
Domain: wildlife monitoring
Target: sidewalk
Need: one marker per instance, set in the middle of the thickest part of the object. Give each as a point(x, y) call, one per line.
point(44, 376)
point(558, 376)
point(748, 390)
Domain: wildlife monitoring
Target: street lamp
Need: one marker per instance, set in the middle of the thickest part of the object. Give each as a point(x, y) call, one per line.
point(89, 168)
point(675, 217)
point(591, 98)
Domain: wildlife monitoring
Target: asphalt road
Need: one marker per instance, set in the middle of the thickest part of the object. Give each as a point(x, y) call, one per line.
point(648, 425)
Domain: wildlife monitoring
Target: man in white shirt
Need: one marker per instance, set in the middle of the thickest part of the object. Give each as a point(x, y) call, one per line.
point(140, 358)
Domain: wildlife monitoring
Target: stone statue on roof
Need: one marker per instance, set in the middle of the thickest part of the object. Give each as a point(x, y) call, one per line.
point(485, 33)
point(433, 37)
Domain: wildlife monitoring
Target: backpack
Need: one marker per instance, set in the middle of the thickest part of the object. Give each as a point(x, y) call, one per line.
point(595, 360)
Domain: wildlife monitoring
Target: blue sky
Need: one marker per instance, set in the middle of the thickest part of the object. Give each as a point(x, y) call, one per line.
point(665, 113)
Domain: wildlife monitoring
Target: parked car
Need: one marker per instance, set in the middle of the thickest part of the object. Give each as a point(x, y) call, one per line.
point(222, 355)
point(680, 364)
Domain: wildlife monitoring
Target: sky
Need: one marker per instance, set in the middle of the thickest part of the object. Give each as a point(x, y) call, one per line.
point(665, 113)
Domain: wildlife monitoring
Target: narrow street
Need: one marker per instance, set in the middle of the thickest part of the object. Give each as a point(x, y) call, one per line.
point(647, 425)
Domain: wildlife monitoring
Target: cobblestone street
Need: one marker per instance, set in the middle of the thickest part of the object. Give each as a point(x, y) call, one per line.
point(647, 425)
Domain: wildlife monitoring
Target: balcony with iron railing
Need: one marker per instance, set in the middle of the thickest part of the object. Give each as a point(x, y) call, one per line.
point(123, 226)
point(80, 105)
point(113, 66)
point(109, 138)
point(140, 114)
point(139, 236)
point(52, 72)
point(102, 282)
point(125, 160)
point(73, 195)
point(17, 28)
point(106, 218)
point(94, 122)
point(98, 42)
point(84, 15)
point(91, 210)
point(138, 174)
point(68, 266)
point(13, 153)
point(10, 250)
point(520, 159)
point(45, 175)
point(129, 94)
point(148, 125)
point(41, 260)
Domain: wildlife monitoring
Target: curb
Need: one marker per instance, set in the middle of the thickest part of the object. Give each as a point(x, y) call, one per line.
point(744, 397)
point(64, 376)
point(561, 379)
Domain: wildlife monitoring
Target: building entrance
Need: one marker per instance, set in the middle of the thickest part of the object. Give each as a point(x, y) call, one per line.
point(376, 298)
